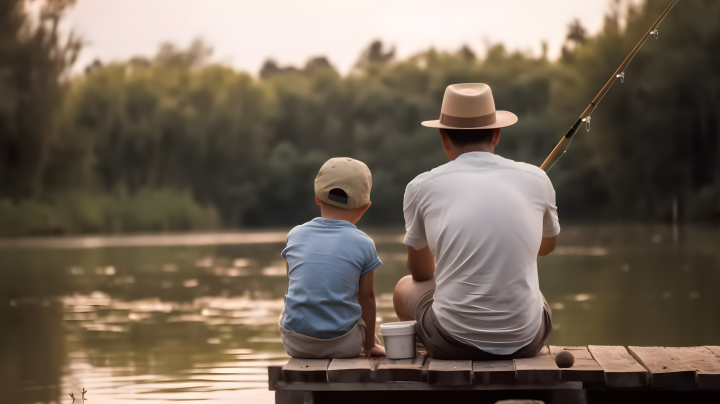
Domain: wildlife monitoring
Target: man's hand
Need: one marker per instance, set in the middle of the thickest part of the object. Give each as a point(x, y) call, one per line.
point(421, 264)
point(376, 350)
point(547, 245)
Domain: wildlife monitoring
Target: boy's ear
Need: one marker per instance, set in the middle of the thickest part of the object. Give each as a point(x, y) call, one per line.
point(317, 200)
point(365, 207)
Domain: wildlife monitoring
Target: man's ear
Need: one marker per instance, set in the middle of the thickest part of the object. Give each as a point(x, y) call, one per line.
point(445, 139)
point(496, 137)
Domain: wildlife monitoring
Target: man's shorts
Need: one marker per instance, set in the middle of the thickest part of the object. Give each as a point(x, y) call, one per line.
point(441, 345)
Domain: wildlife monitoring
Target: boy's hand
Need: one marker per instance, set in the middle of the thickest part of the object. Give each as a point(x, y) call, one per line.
point(376, 350)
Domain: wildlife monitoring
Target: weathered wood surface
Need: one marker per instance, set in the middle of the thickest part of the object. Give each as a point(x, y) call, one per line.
point(274, 376)
point(405, 386)
point(538, 369)
point(450, 372)
point(705, 362)
point(621, 370)
point(665, 367)
point(585, 368)
point(305, 370)
point(400, 370)
point(714, 349)
point(353, 370)
point(487, 372)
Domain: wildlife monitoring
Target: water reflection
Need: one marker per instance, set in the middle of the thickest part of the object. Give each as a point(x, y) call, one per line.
point(198, 322)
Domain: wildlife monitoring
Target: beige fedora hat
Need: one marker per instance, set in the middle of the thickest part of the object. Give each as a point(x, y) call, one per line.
point(470, 106)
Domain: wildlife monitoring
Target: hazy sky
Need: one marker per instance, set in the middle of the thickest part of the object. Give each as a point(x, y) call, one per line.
point(246, 32)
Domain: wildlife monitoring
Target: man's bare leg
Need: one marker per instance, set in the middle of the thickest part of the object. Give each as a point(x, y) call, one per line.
point(402, 290)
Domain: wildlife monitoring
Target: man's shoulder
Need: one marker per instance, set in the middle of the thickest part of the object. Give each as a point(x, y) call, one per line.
point(428, 175)
point(520, 166)
point(502, 163)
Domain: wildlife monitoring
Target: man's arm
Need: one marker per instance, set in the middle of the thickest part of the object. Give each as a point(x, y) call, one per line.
point(366, 300)
point(547, 245)
point(421, 263)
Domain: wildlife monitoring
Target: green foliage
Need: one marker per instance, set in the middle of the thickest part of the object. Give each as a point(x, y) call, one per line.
point(250, 147)
point(33, 61)
point(116, 212)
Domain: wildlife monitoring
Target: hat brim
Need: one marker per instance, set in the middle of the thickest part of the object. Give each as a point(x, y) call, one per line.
point(504, 118)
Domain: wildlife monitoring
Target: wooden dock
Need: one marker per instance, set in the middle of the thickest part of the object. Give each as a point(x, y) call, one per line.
point(601, 374)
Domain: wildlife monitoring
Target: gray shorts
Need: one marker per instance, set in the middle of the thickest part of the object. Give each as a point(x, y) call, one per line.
point(441, 345)
point(348, 345)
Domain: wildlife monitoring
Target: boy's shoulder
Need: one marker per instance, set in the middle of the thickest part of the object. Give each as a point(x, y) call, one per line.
point(313, 227)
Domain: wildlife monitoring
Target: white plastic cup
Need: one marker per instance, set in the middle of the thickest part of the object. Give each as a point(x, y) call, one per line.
point(399, 339)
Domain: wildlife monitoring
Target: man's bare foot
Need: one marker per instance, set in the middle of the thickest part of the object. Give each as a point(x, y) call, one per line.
point(376, 350)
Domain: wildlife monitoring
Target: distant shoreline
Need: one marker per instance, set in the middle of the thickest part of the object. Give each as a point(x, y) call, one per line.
point(161, 240)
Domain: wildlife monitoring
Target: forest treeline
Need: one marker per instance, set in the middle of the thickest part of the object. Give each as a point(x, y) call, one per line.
point(175, 141)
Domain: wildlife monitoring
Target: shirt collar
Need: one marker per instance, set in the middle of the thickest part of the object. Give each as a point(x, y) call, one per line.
point(477, 159)
point(333, 223)
point(476, 155)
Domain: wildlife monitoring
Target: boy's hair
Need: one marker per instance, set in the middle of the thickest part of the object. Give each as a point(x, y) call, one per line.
point(464, 137)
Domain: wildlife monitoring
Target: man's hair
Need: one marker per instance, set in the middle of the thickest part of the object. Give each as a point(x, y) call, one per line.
point(464, 137)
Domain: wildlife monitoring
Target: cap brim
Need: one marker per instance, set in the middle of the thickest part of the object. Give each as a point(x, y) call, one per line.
point(504, 118)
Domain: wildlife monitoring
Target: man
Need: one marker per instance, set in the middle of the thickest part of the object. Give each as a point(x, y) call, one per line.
point(475, 227)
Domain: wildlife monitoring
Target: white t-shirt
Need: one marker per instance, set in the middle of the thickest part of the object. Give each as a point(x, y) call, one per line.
point(484, 217)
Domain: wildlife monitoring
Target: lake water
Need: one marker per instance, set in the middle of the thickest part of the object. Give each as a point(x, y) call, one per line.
point(194, 317)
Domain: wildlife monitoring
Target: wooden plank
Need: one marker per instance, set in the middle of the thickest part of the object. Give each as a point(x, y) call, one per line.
point(538, 369)
point(274, 376)
point(666, 368)
point(399, 370)
point(353, 370)
point(498, 372)
point(714, 349)
point(705, 363)
point(450, 372)
point(585, 369)
point(305, 370)
point(621, 370)
point(410, 386)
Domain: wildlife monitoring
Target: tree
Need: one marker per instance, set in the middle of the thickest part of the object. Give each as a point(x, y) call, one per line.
point(34, 60)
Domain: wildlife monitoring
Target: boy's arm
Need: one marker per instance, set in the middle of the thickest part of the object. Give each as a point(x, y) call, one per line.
point(366, 300)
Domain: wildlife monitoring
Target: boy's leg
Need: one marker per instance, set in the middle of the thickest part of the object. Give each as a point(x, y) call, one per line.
point(410, 296)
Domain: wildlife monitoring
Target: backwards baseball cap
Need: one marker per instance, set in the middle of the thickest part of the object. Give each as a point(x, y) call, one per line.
point(348, 179)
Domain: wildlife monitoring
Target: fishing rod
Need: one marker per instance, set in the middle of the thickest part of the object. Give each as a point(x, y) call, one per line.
point(619, 74)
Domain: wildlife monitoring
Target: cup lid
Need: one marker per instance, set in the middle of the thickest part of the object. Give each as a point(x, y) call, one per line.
point(398, 328)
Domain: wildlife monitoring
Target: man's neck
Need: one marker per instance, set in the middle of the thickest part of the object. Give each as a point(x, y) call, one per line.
point(475, 147)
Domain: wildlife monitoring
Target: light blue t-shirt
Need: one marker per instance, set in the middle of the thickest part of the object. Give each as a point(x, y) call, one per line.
point(326, 259)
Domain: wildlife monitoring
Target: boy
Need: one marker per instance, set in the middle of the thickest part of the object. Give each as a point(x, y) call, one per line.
point(330, 302)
